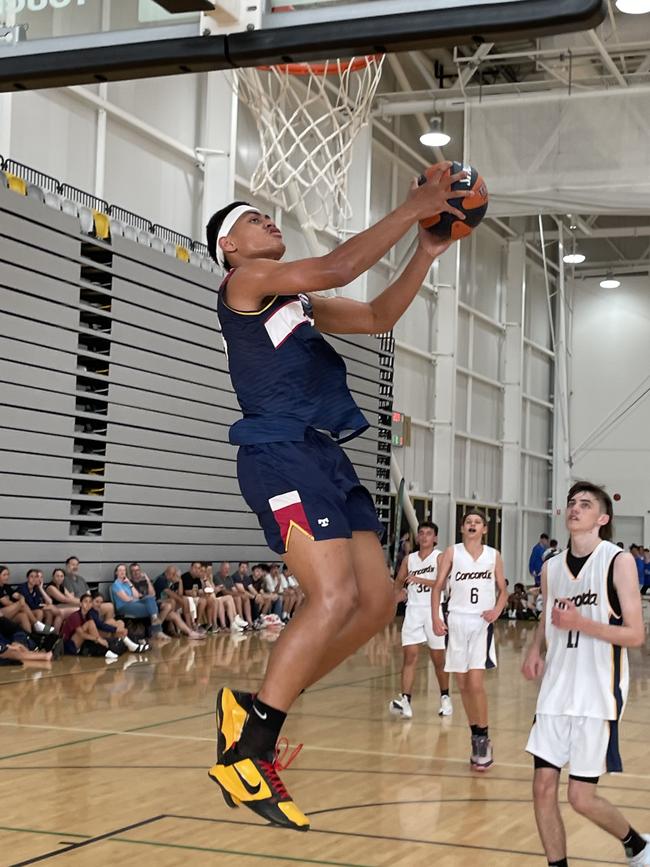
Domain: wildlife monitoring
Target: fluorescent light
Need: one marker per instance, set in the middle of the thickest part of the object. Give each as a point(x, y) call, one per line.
point(633, 7)
point(435, 137)
point(610, 282)
point(574, 258)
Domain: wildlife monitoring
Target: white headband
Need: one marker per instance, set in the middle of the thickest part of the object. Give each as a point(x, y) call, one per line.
point(229, 221)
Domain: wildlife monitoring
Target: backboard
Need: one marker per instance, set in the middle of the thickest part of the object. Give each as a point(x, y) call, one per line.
point(51, 43)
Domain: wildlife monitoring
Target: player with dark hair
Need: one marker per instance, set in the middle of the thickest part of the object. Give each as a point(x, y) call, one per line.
point(475, 574)
point(592, 614)
point(291, 386)
point(418, 575)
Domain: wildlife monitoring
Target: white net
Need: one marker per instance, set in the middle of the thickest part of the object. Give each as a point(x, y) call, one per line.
point(307, 124)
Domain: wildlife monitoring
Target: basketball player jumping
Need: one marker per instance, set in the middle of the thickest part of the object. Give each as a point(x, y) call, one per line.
point(291, 386)
point(592, 614)
point(418, 573)
point(475, 573)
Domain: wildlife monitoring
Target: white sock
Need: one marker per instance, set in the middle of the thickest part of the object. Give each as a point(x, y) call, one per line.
point(130, 644)
point(39, 626)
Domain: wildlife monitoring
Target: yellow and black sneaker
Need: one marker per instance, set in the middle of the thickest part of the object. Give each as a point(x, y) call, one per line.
point(232, 709)
point(255, 783)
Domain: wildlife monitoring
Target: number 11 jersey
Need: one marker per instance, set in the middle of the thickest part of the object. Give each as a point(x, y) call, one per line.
point(584, 676)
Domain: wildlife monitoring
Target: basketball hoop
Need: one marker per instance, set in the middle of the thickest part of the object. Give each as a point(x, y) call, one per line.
point(308, 116)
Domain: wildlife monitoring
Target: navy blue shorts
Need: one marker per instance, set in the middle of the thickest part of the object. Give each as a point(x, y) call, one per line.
point(309, 486)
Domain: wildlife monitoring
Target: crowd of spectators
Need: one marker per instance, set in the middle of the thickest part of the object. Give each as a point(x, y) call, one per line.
point(69, 614)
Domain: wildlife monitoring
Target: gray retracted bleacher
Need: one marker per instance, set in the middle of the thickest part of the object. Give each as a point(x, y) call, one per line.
point(117, 400)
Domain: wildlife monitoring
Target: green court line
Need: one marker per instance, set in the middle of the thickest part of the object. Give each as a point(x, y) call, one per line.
point(48, 833)
point(235, 852)
point(190, 848)
point(102, 736)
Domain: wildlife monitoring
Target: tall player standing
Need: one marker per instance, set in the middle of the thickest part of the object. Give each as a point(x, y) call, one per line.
point(417, 573)
point(592, 614)
point(291, 385)
point(475, 573)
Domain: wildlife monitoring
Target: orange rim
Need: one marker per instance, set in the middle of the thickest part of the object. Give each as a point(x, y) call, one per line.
point(327, 67)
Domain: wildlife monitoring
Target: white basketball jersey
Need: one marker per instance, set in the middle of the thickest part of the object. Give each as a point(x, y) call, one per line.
point(418, 594)
point(472, 582)
point(583, 676)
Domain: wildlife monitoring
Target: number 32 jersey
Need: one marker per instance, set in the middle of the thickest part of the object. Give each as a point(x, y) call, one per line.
point(419, 594)
point(584, 676)
point(472, 582)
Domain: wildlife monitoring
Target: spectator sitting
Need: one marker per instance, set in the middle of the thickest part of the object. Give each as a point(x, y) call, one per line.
point(16, 654)
point(270, 601)
point(292, 583)
point(113, 628)
point(243, 585)
point(168, 585)
point(77, 585)
point(519, 608)
point(79, 630)
point(130, 603)
point(220, 605)
point(14, 607)
point(289, 598)
point(38, 600)
point(192, 581)
point(225, 586)
point(61, 598)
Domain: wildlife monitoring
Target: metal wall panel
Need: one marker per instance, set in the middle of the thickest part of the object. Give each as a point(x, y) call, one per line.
point(117, 404)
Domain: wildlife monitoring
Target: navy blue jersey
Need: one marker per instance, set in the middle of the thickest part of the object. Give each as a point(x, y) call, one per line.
point(286, 376)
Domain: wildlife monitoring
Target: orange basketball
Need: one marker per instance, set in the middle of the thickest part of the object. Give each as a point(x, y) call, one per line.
point(475, 206)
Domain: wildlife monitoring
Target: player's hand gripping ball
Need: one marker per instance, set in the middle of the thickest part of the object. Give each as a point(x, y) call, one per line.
point(448, 226)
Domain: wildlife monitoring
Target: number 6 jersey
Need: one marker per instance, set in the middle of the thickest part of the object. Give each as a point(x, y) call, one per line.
point(472, 582)
point(584, 676)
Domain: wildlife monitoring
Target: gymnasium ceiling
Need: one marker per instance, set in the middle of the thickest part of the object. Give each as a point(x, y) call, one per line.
point(616, 55)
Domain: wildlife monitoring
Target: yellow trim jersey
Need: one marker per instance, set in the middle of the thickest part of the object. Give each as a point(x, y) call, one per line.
point(584, 676)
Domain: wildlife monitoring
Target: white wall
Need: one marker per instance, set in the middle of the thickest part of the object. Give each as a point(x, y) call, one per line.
point(611, 358)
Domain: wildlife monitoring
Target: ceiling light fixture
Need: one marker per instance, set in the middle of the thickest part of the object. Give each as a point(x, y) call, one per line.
point(435, 137)
point(574, 258)
point(633, 7)
point(610, 282)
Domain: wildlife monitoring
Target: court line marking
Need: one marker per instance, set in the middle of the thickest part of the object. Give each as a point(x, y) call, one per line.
point(427, 774)
point(365, 835)
point(73, 846)
point(104, 733)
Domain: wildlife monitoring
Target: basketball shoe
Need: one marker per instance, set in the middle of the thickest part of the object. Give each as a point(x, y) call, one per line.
point(254, 782)
point(446, 707)
point(401, 706)
point(232, 709)
point(643, 858)
point(482, 759)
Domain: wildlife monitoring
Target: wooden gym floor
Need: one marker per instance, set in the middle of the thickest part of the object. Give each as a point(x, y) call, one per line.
point(105, 764)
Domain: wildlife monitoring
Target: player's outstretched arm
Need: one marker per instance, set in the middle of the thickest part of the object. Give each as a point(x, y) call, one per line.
point(347, 316)
point(258, 278)
point(444, 568)
point(533, 666)
point(632, 632)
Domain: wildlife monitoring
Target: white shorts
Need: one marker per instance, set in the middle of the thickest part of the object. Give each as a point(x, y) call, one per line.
point(588, 746)
point(470, 643)
point(418, 628)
